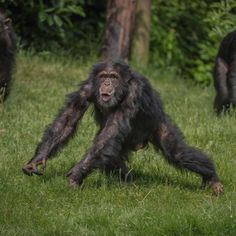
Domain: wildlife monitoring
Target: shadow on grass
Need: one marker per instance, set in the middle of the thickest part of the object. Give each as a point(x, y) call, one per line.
point(150, 178)
point(139, 178)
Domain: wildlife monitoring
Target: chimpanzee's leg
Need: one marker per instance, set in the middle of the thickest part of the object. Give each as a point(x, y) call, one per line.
point(169, 139)
point(105, 154)
point(118, 167)
point(105, 159)
point(221, 102)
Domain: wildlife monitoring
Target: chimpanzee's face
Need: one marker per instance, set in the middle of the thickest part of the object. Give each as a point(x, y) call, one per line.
point(110, 87)
point(109, 81)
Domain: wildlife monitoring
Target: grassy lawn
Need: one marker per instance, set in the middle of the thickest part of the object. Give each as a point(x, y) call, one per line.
point(160, 200)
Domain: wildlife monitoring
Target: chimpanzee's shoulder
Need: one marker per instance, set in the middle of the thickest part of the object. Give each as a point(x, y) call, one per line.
point(141, 79)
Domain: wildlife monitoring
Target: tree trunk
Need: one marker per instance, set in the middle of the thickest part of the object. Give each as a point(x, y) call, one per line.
point(141, 37)
point(119, 28)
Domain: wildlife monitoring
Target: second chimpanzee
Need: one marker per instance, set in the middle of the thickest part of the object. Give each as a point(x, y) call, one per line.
point(225, 74)
point(7, 54)
point(130, 114)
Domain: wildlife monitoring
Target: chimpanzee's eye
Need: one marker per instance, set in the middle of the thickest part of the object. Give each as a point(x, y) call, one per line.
point(114, 75)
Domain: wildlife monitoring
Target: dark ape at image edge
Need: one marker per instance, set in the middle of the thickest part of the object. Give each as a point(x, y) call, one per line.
point(225, 74)
point(7, 55)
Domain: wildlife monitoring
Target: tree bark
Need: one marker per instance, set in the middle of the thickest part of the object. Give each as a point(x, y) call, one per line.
point(119, 28)
point(141, 37)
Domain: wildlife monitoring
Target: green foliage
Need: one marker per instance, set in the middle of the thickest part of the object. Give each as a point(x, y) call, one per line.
point(186, 34)
point(221, 19)
point(176, 29)
point(159, 201)
point(164, 44)
point(57, 25)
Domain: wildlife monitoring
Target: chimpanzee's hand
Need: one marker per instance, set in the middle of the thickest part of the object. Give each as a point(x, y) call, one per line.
point(32, 167)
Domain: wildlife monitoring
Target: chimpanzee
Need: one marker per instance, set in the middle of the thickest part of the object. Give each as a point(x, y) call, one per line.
point(130, 114)
point(7, 54)
point(225, 74)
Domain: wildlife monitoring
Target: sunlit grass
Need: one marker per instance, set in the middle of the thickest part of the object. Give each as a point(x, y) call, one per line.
point(159, 201)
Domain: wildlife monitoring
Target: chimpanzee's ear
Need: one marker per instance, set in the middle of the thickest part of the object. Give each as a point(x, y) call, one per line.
point(128, 75)
point(7, 23)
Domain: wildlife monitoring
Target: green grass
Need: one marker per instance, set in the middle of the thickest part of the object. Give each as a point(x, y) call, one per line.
point(160, 200)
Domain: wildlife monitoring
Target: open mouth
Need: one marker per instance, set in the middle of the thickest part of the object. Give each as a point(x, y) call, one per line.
point(106, 96)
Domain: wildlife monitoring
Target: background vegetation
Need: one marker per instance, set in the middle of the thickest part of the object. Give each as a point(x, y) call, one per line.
point(72, 26)
point(160, 200)
point(185, 35)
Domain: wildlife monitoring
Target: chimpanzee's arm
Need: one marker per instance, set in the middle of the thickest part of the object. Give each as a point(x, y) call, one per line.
point(232, 82)
point(220, 83)
point(63, 127)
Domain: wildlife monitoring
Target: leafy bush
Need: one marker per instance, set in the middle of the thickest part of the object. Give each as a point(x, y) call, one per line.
point(58, 24)
point(186, 34)
point(176, 30)
point(220, 20)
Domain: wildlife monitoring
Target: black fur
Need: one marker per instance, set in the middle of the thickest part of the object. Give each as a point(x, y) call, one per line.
point(225, 74)
point(7, 55)
point(132, 118)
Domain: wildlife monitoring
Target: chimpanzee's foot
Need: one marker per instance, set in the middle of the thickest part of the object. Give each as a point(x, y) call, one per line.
point(2, 93)
point(75, 177)
point(216, 186)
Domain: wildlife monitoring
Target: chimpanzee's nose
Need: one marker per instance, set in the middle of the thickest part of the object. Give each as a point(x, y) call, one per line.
point(107, 82)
